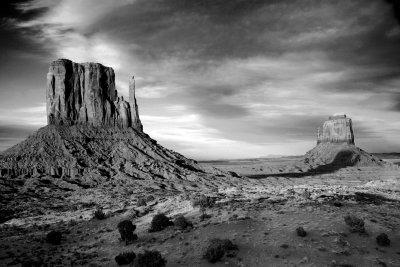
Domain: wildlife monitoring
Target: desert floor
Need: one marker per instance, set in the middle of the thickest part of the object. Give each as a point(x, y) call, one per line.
point(260, 216)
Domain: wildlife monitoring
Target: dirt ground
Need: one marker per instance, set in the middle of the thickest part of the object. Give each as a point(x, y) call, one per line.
point(260, 216)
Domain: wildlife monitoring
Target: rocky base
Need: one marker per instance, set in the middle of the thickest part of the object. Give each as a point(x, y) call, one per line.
point(64, 168)
point(85, 151)
point(339, 155)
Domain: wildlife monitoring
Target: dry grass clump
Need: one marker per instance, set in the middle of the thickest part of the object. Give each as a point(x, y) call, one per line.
point(99, 214)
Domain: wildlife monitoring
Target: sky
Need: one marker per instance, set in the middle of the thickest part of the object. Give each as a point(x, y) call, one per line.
point(215, 79)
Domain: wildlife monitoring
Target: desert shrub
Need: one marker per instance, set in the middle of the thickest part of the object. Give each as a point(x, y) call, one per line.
point(126, 229)
point(151, 258)
point(383, 240)
point(204, 202)
point(356, 224)
point(217, 248)
point(99, 214)
point(54, 237)
point(150, 198)
point(214, 253)
point(125, 258)
point(301, 232)
point(160, 222)
point(182, 223)
point(141, 202)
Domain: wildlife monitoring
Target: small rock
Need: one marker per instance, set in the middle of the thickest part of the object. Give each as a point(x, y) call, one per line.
point(301, 232)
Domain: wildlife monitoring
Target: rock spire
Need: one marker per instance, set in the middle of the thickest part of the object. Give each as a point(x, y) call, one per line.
point(85, 94)
point(136, 123)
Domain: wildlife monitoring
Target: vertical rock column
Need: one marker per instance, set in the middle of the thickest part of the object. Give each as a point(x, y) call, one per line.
point(136, 123)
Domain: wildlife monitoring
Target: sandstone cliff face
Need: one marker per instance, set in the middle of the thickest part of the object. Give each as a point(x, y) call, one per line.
point(337, 129)
point(85, 94)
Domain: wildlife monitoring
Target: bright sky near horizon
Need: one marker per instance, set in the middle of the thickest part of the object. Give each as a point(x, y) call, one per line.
point(216, 78)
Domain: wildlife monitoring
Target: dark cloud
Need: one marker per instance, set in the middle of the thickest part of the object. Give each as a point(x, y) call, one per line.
point(210, 29)
point(396, 8)
point(11, 9)
point(16, 43)
point(352, 35)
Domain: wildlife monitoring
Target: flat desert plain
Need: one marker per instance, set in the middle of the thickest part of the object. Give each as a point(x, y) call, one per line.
point(260, 215)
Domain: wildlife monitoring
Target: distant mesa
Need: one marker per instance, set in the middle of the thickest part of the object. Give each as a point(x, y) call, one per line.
point(336, 149)
point(337, 129)
point(85, 94)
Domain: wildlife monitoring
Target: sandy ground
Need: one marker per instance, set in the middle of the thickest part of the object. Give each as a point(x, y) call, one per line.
point(259, 215)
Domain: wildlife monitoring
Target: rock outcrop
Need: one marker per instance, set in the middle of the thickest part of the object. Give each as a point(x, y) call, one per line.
point(93, 151)
point(136, 123)
point(337, 129)
point(92, 133)
point(85, 94)
point(335, 147)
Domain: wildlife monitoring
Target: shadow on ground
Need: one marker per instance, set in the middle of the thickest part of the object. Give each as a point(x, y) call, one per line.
point(343, 159)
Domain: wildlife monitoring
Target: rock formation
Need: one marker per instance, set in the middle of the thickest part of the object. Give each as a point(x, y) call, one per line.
point(93, 150)
point(85, 94)
point(337, 129)
point(335, 147)
point(136, 123)
point(92, 134)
